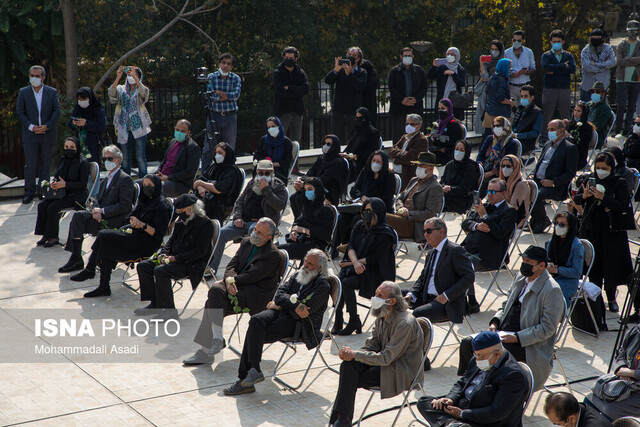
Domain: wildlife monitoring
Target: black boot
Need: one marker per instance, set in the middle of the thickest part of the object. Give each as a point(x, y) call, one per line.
point(75, 261)
point(354, 325)
point(338, 322)
point(103, 289)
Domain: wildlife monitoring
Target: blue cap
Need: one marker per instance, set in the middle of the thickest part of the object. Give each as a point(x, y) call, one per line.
point(485, 339)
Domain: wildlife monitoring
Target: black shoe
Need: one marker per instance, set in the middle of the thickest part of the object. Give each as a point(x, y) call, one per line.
point(540, 228)
point(49, 244)
point(41, 241)
point(98, 292)
point(27, 199)
point(473, 308)
point(337, 324)
point(72, 265)
point(354, 325)
point(427, 365)
point(613, 307)
point(83, 275)
point(634, 318)
point(145, 311)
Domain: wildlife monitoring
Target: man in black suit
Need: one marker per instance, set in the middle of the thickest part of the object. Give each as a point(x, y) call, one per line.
point(488, 229)
point(299, 318)
point(38, 109)
point(180, 162)
point(113, 203)
point(184, 255)
point(563, 409)
point(492, 391)
point(439, 293)
point(555, 169)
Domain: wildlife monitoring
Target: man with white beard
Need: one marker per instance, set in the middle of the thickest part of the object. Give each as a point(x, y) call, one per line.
point(296, 311)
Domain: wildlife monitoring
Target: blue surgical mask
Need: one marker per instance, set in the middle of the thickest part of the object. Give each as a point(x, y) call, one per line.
point(310, 194)
point(556, 46)
point(552, 135)
point(524, 102)
point(180, 136)
point(595, 97)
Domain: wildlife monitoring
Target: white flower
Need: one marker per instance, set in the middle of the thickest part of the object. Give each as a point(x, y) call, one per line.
point(293, 298)
point(579, 124)
point(434, 124)
point(165, 260)
point(231, 280)
point(128, 230)
point(44, 183)
point(255, 163)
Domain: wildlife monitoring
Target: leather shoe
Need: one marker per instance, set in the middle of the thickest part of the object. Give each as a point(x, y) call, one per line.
point(83, 275)
point(27, 199)
point(473, 308)
point(427, 365)
point(41, 241)
point(145, 311)
point(49, 244)
point(613, 307)
point(98, 292)
point(72, 266)
point(199, 358)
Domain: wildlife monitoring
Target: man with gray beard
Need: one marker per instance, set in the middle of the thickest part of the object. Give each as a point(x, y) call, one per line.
point(296, 311)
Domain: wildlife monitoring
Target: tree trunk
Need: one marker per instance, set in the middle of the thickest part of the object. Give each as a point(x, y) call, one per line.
point(70, 47)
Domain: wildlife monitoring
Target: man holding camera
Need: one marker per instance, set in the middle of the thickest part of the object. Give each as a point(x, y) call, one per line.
point(349, 80)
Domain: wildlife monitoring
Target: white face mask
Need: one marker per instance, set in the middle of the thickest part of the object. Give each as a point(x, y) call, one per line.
point(451, 59)
point(109, 165)
point(219, 158)
point(602, 173)
point(131, 80)
point(377, 303)
point(636, 129)
point(561, 230)
point(35, 81)
point(495, 53)
point(421, 173)
point(458, 155)
point(507, 172)
point(376, 167)
point(408, 129)
point(273, 131)
point(497, 131)
point(266, 178)
point(483, 365)
point(407, 60)
point(222, 73)
point(325, 148)
point(83, 104)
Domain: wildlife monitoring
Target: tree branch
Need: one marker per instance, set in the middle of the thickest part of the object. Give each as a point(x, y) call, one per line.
point(215, 45)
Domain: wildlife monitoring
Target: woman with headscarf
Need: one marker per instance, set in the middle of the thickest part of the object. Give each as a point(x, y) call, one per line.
point(448, 131)
point(449, 76)
point(498, 95)
point(566, 254)
point(131, 118)
point(276, 146)
point(494, 148)
point(622, 170)
point(89, 121)
point(369, 261)
point(364, 140)
point(487, 68)
point(580, 131)
point(612, 259)
point(459, 179)
point(330, 168)
point(71, 176)
point(312, 229)
point(518, 190)
point(374, 180)
point(220, 184)
point(149, 222)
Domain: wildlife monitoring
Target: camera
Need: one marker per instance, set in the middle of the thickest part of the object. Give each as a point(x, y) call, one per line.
point(346, 61)
point(202, 75)
point(126, 69)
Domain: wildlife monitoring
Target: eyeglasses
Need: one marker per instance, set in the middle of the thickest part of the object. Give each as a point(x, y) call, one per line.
point(264, 173)
point(110, 159)
point(412, 124)
point(368, 210)
point(430, 230)
point(493, 192)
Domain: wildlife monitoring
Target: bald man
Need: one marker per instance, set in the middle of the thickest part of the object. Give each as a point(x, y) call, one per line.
point(180, 162)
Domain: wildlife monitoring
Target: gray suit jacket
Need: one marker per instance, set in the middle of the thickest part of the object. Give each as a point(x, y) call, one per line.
point(542, 310)
point(27, 110)
point(427, 203)
point(117, 199)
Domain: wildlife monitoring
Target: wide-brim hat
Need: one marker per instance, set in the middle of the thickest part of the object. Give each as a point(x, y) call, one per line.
point(426, 158)
point(597, 86)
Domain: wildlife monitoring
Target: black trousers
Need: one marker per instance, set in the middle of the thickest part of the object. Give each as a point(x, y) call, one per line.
point(48, 220)
point(466, 353)
point(432, 310)
point(344, 226)
point(155, 282)
point(298, 250)
point(265, 327)
point(353, 375)
point(433, 416)
point(349, 286)
point(82, 223)
point(216, 307)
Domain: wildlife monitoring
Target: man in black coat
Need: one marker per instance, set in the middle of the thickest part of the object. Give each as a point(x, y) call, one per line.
point(492, 391)
point(114, 201)
point(555, 169)
point(184, 255)
point(251, 277)
point(295, 312)
point(563, 409)
point(290, 84)
point(527, 121)
point(180, 162)
point(439, 293)
point(407, 86)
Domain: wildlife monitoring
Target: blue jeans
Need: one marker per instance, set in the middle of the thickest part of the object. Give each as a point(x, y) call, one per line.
point(227, 233)
point(141, 158)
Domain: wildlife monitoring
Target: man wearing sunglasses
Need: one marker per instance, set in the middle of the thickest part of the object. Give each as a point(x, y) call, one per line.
point(113, 203)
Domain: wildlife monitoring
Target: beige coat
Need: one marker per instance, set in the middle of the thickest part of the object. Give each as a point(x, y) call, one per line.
point(427, 203)
point(396, 346)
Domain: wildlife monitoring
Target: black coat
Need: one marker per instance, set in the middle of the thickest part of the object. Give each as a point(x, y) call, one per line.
point(383, 188)
point(319, 222)
point(75, 173)
point(227, 178)
point(590, 417)
point(333, 171)
point(347, 95)
point(398, 88)
point(262, 152)
point(562, 168)
point(443, 145)
point(462, 177)
point(584, 134)
point(490, 246)
point(364, 140)
point(631, 151)
point(190, 244)
point(318, 292)
point(437, 74)
point(289, 100)
point(116, 201)
point(186, 165)
point(498, 401)
point(454, 275)
point(95, 126)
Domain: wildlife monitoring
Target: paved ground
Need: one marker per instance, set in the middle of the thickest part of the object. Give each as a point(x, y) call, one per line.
point(80, 393)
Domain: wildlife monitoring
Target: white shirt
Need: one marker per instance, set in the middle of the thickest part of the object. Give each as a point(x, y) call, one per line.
point(527, 287)
point(431, 287)
point(525, 60)
point(38, 96)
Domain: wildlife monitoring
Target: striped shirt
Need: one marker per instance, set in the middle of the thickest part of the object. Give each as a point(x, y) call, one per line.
point(231, 85)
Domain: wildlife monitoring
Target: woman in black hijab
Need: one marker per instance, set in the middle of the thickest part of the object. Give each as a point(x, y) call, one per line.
point(149, 222)
point(459, 179)
point(364, 140)
point(580, 131)
point(220, 184)
point(312, 229)
point(369, 261)
point(331, 169)
point(89, 121)
point(622, 170)
point(566, 254)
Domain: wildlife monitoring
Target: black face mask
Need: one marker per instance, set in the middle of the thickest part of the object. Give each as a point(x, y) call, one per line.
point(369, 218)
point(526, 269)
point(183, 215)
point(360, 121)
point(443, 114)
point(596, 42)
point(289, 62)
point(148, 190)
point(69, 152)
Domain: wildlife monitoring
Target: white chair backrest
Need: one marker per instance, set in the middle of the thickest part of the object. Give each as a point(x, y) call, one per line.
point(613, 122)
point(529, 376)
point(284, 264)
point(398, 183)
point(464, 131)
point(480, 177)
point(589, 253)
point(335, 288)
point(295, 152)
point(533, 192)
point(136, 189)
point(519, 150)
point(380, 148)
point(335, 220)
point(427, 331)
point(94, 176)
point(214, 239)
point(439, 215)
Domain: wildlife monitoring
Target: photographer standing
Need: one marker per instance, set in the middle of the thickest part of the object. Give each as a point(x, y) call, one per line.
point(350, 81)
point(224, 87)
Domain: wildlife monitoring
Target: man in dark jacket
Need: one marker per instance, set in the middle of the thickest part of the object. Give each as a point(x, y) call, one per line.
point(527, 121)
point(491, 392)
point(180, 162)
point(114, 201)
point(290, 84)
point(350, 81)
point(558, 66)
point(250, 279)
point(407, 86)
point(295, 312)
point(563, 409)
point(184, 255)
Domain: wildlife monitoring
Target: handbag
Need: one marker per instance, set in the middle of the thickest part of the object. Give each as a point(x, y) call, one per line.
point(351, 209)
point(610, 388)
point(461, 100)
point(622, 221)
point(51, 194)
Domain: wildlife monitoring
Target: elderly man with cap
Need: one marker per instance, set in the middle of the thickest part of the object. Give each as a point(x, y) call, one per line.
point(597, 59)
point(529, 317)
point(185, 254)
point(264, 196)
point(599, 111)
point(492, 391)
